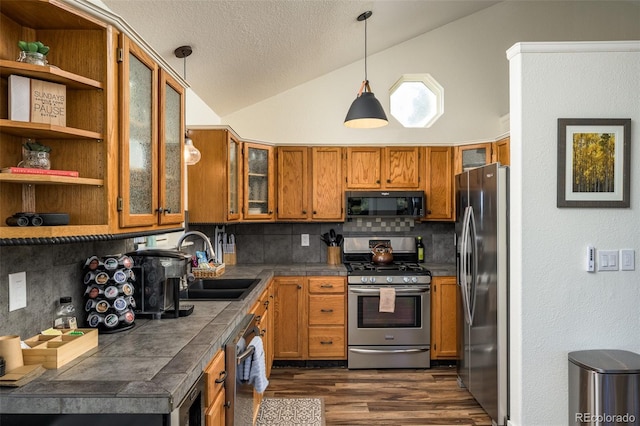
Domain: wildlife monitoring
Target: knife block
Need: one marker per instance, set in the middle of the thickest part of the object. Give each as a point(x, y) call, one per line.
point(334, 256)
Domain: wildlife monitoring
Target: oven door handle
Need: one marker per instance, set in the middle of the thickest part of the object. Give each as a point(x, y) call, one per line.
point(387, 351)
point(398, 290)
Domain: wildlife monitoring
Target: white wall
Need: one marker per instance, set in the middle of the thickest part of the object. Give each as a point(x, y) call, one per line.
point(466, 57)
point(557, 307)
point(197, 112)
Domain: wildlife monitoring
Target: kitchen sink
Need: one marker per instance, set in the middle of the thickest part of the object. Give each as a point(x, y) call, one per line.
point(219, 289)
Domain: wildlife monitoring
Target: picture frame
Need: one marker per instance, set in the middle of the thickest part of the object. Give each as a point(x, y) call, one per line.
point(594, 162)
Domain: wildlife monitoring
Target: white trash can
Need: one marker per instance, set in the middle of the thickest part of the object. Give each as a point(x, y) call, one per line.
point(604, 388)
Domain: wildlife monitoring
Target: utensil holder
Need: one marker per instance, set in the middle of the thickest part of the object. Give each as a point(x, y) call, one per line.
point(334, 255)
point(11, 351)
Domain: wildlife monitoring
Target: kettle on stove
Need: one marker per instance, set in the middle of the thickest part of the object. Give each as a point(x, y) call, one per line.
point(382, 254)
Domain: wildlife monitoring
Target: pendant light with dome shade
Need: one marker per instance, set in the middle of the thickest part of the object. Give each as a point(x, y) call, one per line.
point(365, 111)
point(190, 152)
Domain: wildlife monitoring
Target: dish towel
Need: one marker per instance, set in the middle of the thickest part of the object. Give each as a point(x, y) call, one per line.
point(255, 369)
point(387, 299)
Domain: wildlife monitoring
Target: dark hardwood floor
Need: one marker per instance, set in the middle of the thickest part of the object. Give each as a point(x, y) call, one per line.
point(381, 397)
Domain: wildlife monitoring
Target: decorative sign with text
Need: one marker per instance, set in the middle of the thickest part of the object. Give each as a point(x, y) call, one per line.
point(48, 103)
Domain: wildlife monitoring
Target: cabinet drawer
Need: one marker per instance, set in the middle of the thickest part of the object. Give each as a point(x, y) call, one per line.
point(326, 285)
point(326, 309)
point(214, 373)
point(327, 342)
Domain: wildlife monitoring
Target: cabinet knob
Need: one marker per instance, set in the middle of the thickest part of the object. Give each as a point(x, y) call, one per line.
point(304, 212)
point(315, 212)
point(388, 180)
point(270, 211)
point(299, 287)
point(160, 210)
point(227, 404)
point(168, 211)
point(378, 181)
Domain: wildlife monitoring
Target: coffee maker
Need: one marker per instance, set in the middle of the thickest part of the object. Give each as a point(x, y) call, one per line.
point(160, 273)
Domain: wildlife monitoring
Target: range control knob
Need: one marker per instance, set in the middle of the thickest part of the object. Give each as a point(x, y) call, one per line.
point(406, 279)
point(389, 279)
point(372, 280)
point(363, 279)
point(414, 279)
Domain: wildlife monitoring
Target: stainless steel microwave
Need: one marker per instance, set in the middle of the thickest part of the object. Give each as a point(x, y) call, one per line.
point(385, 203)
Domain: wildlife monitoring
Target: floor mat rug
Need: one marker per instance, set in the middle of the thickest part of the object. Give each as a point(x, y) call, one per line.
point(291, 412)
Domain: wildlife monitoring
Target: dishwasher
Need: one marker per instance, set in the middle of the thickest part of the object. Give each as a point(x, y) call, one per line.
point(239, 394)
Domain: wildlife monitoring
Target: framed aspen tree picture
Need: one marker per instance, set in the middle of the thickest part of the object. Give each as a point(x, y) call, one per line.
point(593, 162)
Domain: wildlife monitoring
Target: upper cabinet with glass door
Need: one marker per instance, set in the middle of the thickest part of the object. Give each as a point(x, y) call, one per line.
point(171, 196)
point(152, 125)
point(259, 187)
point(470, 156)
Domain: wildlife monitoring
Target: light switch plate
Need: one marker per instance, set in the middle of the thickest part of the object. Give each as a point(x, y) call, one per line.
point(607, 260)
point(627, 260)
point(304, 240)
point(17, 291)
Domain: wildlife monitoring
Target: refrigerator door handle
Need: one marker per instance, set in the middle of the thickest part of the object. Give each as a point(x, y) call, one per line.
point(464, 285)
point(473, 267)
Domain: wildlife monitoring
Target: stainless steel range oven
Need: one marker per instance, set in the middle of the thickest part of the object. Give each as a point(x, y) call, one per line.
point(378, 338)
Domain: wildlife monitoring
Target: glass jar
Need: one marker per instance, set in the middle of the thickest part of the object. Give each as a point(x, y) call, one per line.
point(35, 58)
point(35, 160)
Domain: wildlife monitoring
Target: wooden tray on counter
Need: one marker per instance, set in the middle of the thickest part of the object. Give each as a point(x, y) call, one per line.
point(54, 351)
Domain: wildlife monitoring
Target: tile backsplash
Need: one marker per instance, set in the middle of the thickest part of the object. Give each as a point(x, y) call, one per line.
point(281, 242)
point(52, 271)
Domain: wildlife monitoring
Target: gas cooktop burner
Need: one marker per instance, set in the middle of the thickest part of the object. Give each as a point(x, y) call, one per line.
point(397, 267)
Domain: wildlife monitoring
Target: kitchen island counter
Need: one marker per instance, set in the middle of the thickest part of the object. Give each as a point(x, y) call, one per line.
point(150, 367)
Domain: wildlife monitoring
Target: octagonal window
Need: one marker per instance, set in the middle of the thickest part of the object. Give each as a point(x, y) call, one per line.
point(416, 100)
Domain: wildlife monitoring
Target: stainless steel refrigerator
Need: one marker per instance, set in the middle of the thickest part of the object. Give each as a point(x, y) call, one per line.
point(482, 263)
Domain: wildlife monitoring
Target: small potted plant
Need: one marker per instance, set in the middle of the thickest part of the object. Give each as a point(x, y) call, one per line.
point(35, 155)
point(33, 52)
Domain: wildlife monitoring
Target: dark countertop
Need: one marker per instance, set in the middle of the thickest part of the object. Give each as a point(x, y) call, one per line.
point(150, 368)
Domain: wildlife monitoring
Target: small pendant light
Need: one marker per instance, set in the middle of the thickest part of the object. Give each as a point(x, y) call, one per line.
point(190, 152)
point(365, 111)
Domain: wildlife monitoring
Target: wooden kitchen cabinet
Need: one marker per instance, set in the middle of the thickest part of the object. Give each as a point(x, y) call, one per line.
point(327, 197)
point(215, 182)
point(439, 181)
point(263, 311)
point(444, 318)
point(290, 330)
point(327, 318)
point(259, 182)
point(310, 318)
point(215, 398)
point(364, 167)
point(310, 193)
point(152, 139)
point(84, 144)
point(501, 151)
point(470, 156)
point(293, 182)
point(383, 168)
point(264, 321)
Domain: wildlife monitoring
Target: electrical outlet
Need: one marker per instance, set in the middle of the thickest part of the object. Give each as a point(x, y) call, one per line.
point(304, 240)
point(627, 260)
point(17, 291)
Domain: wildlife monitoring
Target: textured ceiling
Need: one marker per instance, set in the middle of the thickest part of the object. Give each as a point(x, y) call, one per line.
point(246, 51)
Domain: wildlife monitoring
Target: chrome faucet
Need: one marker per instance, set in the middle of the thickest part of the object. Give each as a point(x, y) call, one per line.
point(207, 242)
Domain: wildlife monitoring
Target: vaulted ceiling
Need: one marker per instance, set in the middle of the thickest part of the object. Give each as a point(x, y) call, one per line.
point(245, 51)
